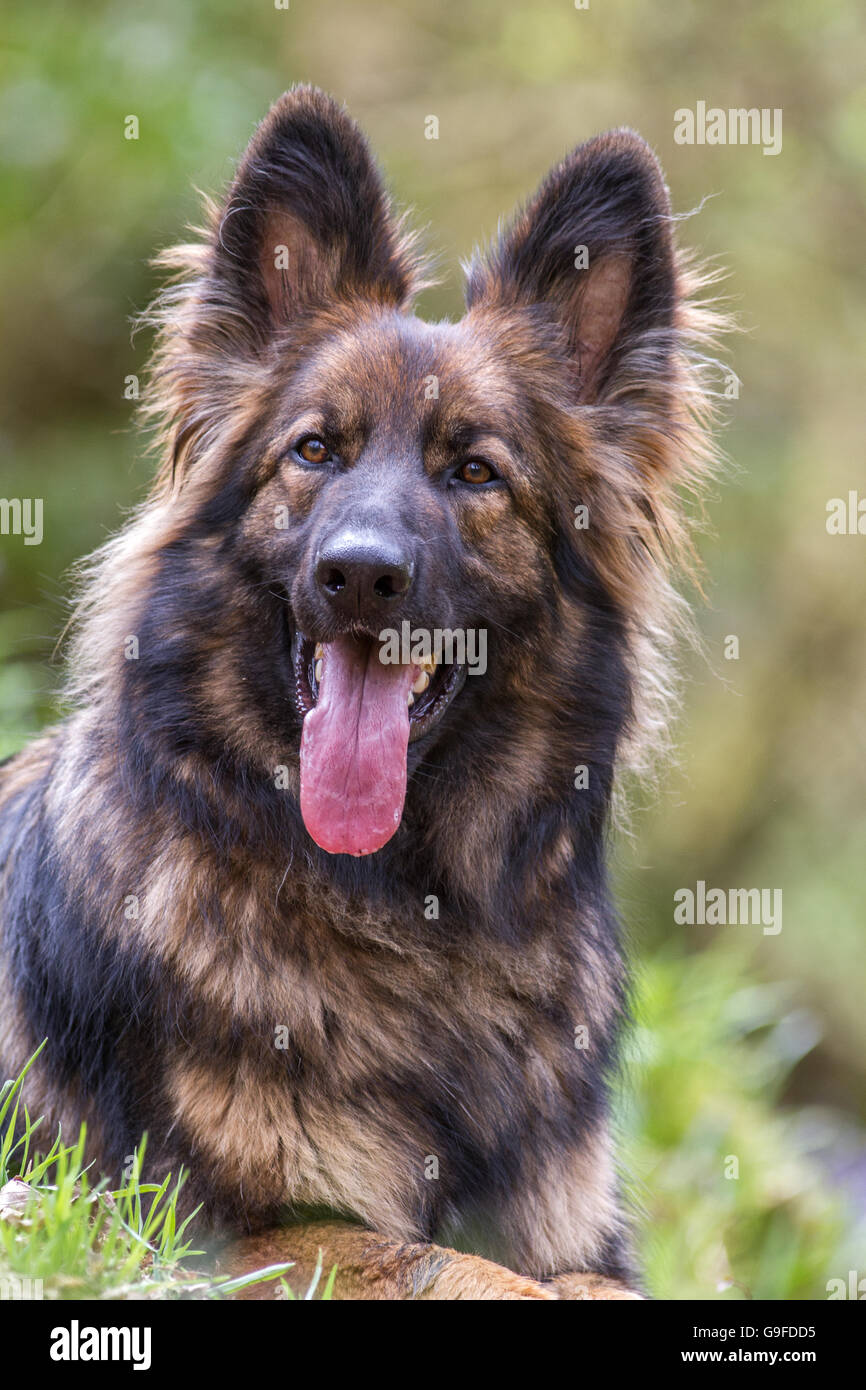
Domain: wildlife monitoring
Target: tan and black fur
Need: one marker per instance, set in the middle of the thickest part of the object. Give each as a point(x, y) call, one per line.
point(165, 916)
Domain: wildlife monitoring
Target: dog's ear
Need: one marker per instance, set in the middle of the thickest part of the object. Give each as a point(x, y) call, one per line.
point(307, 218)
point(593, 249)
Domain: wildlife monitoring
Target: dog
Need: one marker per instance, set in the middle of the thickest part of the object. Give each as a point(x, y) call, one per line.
point(333, 926)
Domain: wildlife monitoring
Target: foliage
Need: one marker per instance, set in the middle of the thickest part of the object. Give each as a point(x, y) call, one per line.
point(769, 789)
point(63, 1237)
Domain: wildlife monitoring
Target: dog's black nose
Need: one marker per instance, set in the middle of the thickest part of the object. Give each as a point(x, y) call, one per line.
point(362, 575)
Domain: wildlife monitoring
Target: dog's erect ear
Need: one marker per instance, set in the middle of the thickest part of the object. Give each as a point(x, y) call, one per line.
point(307, 218)
point(593, 248)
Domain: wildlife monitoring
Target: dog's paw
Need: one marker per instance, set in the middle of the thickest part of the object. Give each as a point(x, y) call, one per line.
point(591, 1286)
point(471, 1277)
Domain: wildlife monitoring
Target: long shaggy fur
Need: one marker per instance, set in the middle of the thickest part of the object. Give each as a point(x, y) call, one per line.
point(293, 1026)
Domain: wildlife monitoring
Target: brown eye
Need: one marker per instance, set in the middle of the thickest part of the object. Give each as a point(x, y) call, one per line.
point(312, 450)
point(475, 471)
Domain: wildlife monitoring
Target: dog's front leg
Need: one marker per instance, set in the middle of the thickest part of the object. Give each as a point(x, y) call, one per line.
point(369, 1266)
point(563, 1225)
point(590, 1286)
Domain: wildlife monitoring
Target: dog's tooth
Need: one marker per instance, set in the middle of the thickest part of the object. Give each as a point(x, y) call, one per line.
point(411, 700)
point(421, 683)
point(319, 668)
point(320, 650)
point(428, 664)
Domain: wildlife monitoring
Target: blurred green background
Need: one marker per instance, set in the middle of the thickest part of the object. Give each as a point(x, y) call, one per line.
point(747, 1045)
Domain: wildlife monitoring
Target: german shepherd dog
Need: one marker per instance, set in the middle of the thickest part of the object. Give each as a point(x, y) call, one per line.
point(334, 930)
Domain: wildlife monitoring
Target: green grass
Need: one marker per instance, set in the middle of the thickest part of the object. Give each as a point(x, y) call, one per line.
point(769, 784)
point(71, 1238)
point(705, 1084)
point(736, 1199)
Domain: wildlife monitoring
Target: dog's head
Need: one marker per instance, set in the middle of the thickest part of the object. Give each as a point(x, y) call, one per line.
point(393, 541)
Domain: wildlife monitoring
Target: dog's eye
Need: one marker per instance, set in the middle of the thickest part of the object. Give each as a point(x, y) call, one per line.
point(475, 471)
point(312, 450)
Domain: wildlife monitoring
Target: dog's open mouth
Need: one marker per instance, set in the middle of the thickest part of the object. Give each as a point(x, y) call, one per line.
point(359, 717)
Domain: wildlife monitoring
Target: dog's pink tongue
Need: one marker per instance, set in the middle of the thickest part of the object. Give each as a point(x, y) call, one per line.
point(353, 750)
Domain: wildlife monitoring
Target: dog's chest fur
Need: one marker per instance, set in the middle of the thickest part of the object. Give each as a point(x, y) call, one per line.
point(320, 1063)
point(294, 1040)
